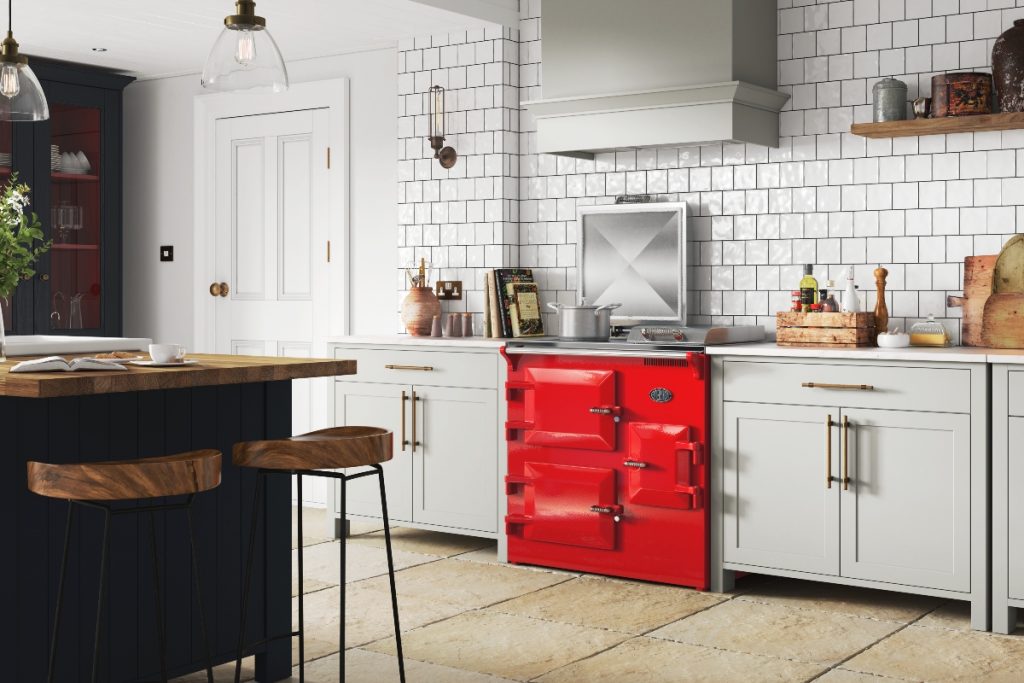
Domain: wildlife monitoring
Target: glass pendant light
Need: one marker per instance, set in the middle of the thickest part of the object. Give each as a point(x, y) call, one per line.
point(245, 55)
point(21, 95)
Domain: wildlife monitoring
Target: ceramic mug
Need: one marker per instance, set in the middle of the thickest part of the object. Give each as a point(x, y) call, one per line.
point(167, 353)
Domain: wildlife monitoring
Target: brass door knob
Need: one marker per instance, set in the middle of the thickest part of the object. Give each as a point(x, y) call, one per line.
point(219, 289)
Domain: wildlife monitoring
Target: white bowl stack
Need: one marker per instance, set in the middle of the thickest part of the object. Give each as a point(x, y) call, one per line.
point(74, 162)
point(54, 157)
point(5, 159)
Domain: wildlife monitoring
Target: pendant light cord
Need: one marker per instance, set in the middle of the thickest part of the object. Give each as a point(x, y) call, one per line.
point(10, 21)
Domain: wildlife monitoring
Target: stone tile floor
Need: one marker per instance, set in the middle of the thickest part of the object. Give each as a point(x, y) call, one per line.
point(468, 619)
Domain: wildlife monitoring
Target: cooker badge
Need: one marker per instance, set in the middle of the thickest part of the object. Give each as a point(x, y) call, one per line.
point(660, 395)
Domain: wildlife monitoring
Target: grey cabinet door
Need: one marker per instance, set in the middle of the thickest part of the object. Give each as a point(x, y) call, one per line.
point(1015, 507)
point(906, 515)
point(779, 510)
point(455, 465)
point(378, 405)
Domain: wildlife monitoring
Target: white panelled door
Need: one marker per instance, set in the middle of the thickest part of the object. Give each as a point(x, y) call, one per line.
point(271, 249)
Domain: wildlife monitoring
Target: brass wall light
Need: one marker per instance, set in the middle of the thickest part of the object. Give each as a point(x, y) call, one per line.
point(446, 156)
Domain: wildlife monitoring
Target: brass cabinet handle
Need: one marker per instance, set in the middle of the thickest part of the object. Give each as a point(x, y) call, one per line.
point(635, 464)
point(219, 289)
point(405, 442)
point(825, 385)
point(415, 443)
point(846, 453)
point(421, 368)
point(45, 277)
point(828, 452)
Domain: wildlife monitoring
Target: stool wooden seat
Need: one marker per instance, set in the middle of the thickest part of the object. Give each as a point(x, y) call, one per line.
point(171, 475)
point(97, 485)
point(326, 449)
point(318, 454)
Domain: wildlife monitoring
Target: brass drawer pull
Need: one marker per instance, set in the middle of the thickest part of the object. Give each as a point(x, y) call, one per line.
point(415, 443)
point(420, 368)
point(405, 442)
point(824, 385)
point(828, 452)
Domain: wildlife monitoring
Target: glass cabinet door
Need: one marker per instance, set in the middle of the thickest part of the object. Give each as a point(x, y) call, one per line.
point(76, 167)
point(7, 306)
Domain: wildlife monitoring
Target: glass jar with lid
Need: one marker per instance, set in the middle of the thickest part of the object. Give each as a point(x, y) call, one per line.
point(928, 333)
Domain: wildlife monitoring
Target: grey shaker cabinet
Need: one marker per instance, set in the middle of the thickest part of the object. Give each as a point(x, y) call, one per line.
point(912, 516)
point(1007, 495)
point(442, 404)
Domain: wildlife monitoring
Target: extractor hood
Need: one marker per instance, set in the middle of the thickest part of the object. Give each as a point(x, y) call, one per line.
point(656, 73)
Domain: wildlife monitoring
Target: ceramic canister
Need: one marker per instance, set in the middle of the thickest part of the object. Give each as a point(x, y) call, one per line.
point(1008, 67)
point(889, 98)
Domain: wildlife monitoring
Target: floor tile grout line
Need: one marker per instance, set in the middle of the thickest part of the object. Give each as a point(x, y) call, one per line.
point(887, 636)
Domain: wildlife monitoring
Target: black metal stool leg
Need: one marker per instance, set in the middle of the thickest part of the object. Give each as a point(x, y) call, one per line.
point(104, 555)
point(158, 599)
point(341, 617)
point(391, 572)
point(248, 576)
point(60, 593)
point(302, 616)
point(199, 590)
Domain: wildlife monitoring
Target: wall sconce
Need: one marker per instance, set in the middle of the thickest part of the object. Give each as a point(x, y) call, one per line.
point(446, 156)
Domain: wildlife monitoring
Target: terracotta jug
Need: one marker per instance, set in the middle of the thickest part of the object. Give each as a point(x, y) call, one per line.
point(418, 311)
point(1008, 67)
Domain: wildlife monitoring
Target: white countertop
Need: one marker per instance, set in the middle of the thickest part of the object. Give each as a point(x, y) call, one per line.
point(952, 354)
point(408, 340)
point(1007, 356)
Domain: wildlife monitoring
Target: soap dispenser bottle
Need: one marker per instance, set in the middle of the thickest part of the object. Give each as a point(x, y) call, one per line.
point(851, 303)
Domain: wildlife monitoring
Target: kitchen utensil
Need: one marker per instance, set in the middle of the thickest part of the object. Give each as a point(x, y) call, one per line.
point(167, 353)
point(881, 309)
point(961, 94)
point(75, 312)
point(1008, 277)
point(922, 107)
point(978, 273)
point(583, 322)
point(889, 100)
point(929, 333)
point(1003, 321)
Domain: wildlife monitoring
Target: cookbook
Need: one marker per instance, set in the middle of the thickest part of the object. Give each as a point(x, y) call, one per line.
point(524, 310)
point(59, 364)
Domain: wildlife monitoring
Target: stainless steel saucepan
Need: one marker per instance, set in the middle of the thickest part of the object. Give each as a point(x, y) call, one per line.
point(584, 322)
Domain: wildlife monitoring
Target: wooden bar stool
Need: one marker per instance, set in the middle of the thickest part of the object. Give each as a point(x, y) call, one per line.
point(95, 485)
point(310, 455)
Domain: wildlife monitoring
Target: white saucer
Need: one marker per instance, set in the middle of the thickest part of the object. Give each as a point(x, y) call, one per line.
point(154, 364)
point(119, 361)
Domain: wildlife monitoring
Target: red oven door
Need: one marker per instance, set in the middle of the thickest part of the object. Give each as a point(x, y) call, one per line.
point(568, 408)
point(661, 460)
point(564, 504)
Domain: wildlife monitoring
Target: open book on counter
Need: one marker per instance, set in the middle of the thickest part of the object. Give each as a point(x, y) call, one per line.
point(59, 364)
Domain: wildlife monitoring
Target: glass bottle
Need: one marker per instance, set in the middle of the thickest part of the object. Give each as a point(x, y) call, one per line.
point(808, 286)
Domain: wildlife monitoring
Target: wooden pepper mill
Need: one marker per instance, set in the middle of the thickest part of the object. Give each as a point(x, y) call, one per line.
point(881, 310)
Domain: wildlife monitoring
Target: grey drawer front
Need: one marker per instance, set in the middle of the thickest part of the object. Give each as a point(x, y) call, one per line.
point(1016, 397)
point(892, 387)
point(426, 368)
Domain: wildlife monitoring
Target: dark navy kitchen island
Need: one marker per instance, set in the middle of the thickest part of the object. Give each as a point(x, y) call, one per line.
point(76, 417)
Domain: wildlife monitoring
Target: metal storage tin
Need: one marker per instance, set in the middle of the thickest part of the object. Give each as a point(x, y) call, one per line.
point(961, 94)
point(890, 100)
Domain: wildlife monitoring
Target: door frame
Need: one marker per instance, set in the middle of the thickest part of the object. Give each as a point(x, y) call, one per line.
point(333, 95)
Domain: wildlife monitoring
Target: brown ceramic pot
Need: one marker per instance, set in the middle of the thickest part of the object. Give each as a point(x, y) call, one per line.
point(1008, 68)
point(418, 311)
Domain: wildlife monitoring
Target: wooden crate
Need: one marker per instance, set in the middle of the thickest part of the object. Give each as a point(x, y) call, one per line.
point(839, 330)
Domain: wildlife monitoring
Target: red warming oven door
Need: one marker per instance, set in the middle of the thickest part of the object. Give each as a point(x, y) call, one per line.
point(607, 470)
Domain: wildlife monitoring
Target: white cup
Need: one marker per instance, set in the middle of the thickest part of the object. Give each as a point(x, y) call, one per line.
point(167, 353)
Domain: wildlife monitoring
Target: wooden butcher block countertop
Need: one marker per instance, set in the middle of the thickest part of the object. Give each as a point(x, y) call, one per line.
point(211, 370)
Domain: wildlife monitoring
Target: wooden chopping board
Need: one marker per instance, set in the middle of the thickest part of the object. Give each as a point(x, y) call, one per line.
point(978, 274)
point(1009, 273)
point(1003, 322)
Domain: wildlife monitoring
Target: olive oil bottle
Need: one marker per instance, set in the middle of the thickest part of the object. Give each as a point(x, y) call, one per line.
point(808, 287)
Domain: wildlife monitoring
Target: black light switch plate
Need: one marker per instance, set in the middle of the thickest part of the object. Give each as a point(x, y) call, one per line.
point(167, 253)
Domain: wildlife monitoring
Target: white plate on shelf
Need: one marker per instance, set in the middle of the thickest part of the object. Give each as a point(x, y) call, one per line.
point(154, 364)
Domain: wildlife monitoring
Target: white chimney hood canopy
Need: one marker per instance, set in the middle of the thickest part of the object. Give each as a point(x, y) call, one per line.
point(651, 73)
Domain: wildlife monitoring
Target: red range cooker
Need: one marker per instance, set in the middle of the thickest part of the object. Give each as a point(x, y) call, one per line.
point(607, 461)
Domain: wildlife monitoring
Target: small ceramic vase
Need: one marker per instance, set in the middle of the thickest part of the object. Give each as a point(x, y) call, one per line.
point(418, 311)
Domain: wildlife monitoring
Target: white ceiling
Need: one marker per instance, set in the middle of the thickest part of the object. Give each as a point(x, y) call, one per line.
point(150, 39)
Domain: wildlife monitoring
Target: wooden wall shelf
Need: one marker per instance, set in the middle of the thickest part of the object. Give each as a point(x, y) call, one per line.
point(949, 124)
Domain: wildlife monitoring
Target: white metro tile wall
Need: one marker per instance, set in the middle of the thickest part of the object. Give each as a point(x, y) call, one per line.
point(914, 205)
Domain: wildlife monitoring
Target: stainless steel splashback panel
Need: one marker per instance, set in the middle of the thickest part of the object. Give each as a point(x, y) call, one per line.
point(636, 255)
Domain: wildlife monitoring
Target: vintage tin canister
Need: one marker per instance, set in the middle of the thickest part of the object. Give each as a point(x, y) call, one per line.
point(890, 100)
point(961, 94)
